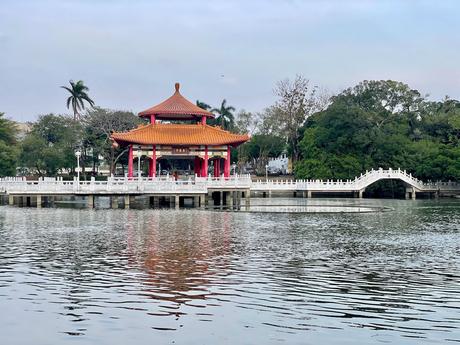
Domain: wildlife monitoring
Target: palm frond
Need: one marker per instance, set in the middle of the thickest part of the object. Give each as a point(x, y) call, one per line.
point(78, 91)
point(82, 104)
point(68, 89)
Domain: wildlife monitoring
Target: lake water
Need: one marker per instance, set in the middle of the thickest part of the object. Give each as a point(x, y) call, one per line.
point(207, 277)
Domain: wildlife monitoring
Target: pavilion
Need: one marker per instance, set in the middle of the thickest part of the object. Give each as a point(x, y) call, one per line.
point(178, 130)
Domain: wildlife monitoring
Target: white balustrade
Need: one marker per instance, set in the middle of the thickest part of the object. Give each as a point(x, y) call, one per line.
point(167, 184)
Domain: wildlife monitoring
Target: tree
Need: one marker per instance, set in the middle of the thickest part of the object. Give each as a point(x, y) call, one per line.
point(50, 146)
point(8, 148)
point(260, 148)
point(386, 100)
point(381, 124)
point(98, 124)
point(297, 100)
point(246, 122)
point(225, 115)
point(78, 95)
point(203, 105)
point(442, 120)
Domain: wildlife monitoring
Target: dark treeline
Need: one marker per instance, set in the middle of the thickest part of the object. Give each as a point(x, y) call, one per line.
point(382, 124)
point(50, 146)
point(373, 124)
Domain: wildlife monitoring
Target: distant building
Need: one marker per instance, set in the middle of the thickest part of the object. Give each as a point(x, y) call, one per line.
point(23, 129)
point(281, 165)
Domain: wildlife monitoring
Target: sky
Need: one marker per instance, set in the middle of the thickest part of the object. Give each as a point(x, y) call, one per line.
point(130, 53)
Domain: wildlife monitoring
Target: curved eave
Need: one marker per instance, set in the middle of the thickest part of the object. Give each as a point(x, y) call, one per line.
point(179, 135)
point(125, 141)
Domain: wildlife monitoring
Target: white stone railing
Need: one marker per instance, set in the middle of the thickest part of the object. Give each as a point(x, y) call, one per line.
point(123, 185)
point(167, 184)
point(359, 183)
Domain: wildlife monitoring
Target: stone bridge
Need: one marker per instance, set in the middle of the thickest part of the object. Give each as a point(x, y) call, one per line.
point(201, 187)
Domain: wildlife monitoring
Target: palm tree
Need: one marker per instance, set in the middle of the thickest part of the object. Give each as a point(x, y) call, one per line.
point(225, 114)
point(78, 94)
point(203, 105)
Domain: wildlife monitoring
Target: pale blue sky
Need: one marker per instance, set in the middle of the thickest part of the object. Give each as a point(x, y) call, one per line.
point(130, 53)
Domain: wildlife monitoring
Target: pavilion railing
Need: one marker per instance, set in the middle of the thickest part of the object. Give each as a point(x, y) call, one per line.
point(122, 185)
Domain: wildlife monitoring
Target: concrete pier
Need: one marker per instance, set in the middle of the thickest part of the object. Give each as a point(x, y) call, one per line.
point(90, 201)
point(247, 196)
point(114, 201)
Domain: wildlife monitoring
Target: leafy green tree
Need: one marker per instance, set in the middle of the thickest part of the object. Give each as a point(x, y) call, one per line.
point(51, 144)
point(78, 95)
point(442, 121)
point(260, 148)
point(382, 124)
point(8, 147)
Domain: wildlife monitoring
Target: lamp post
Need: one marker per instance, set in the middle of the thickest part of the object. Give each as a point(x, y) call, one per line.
point(99, 159)
point(78, 169)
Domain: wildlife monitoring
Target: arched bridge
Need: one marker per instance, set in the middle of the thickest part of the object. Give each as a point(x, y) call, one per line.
point(193, 186)
point(357, 185)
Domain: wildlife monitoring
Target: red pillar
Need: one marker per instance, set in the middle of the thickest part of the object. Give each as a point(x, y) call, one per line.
point(203, 120)
point(227, 163)
point(130, 161)
point(205, 165)
point(151, 168)
point(202, 173)
point(152, 118)
point(215, 160)
point(154, 161)
point(216, 167)
point(197, 166)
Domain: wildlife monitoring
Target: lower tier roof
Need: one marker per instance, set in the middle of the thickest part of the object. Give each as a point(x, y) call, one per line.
point(180, 135)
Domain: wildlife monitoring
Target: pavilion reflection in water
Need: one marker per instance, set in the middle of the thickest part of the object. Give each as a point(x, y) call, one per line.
point(183, 267)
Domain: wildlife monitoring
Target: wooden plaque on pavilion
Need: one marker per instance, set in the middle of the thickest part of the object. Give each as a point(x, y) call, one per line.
point(180, 150)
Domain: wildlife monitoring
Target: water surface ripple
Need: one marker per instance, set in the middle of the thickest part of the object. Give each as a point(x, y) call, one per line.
point(205, 277)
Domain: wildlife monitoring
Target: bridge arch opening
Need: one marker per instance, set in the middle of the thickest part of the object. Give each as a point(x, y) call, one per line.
point(387, 189)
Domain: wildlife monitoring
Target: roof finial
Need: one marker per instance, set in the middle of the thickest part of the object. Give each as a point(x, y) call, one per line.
point(177, 86)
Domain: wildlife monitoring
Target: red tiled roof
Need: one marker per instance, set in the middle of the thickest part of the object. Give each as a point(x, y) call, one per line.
point(176, 107)
point(179, 134)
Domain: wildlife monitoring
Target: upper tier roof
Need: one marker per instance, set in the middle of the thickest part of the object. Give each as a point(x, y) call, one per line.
point(180, 135)
point(176, 107)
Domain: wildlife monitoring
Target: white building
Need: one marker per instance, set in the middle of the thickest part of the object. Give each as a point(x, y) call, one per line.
point(280, 164)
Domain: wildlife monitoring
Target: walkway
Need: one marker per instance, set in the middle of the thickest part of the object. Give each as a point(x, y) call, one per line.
point(206, 186)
